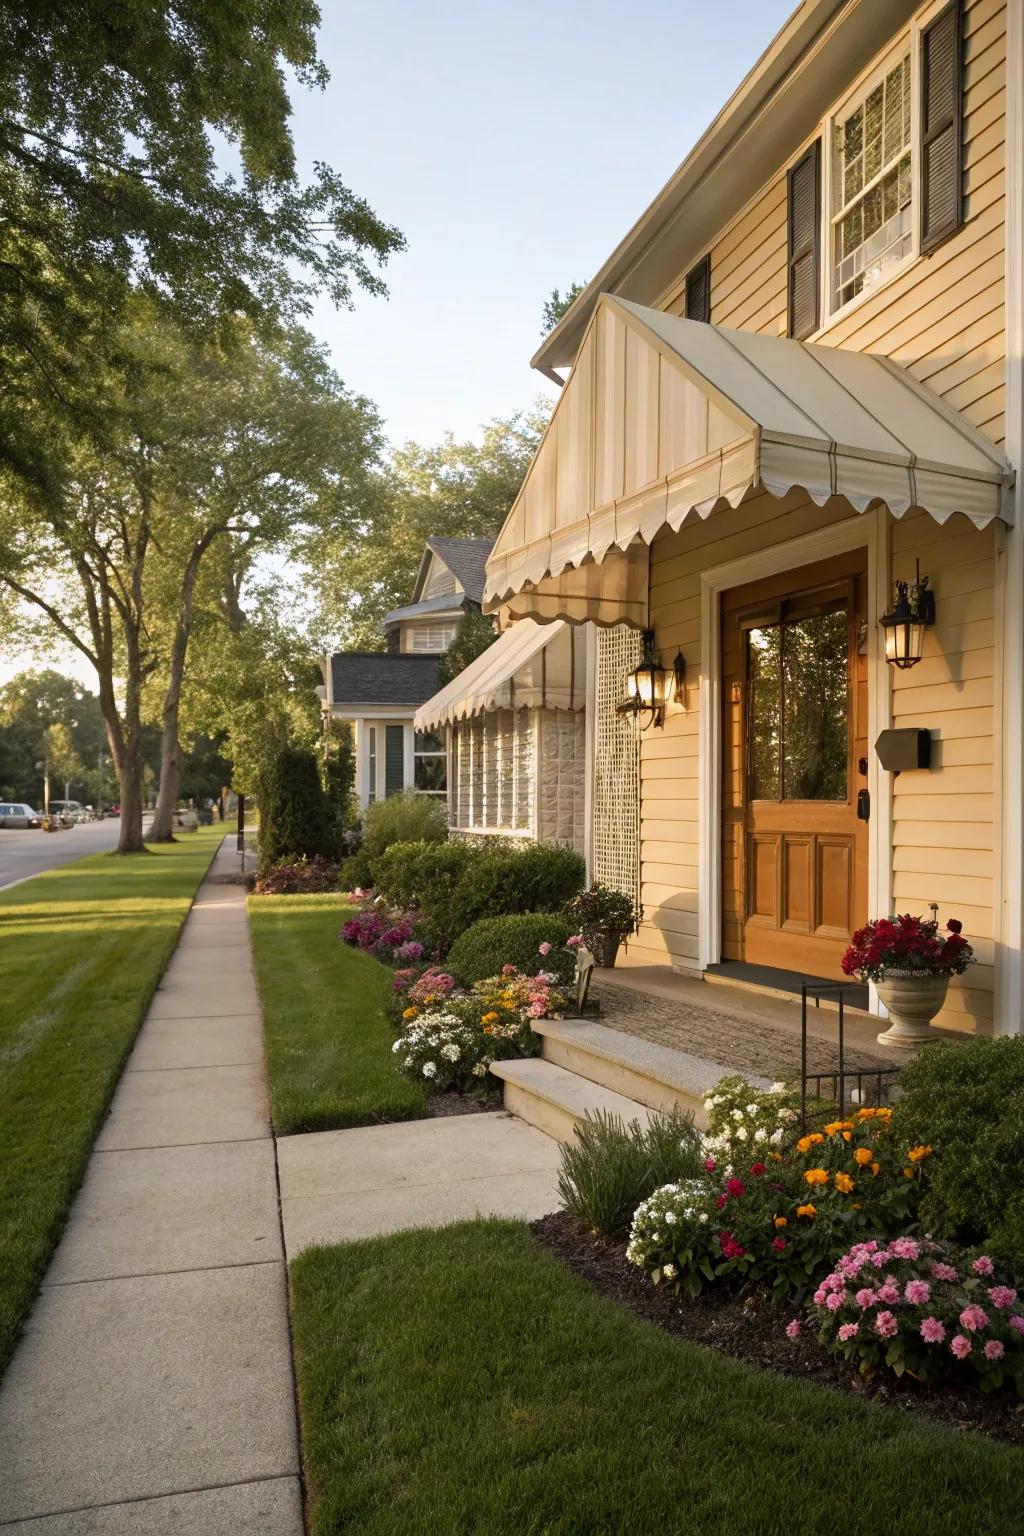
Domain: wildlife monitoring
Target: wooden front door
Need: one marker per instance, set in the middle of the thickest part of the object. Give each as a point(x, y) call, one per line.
point(794, 698)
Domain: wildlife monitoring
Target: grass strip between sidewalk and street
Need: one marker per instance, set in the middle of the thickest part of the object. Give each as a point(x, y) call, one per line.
point(327, 1041)
point(82, 948)
point(464, 1380)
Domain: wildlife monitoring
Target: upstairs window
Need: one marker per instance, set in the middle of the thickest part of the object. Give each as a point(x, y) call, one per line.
point(872, 185)
point(431, 637)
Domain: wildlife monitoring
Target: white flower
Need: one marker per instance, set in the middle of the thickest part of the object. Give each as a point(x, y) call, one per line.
point(776, 1137)
point(480, 1070)
point(669, 1271)
point(788, 1115)
point(777, 1088)
point(737, 1114)
point(740, 1133)
point(450, 1052)
point(429, 1069)
point(752, 1109)
point(761, 1134)
point(702, 1218)
point(397, 1046)
point(670, 1217)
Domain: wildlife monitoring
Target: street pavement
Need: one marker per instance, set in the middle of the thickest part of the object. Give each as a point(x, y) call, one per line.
point(30, 852)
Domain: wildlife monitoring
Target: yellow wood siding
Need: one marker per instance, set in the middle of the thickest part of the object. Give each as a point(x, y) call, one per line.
point(942, 317)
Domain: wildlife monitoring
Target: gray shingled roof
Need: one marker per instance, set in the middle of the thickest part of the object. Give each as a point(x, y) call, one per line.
point(374, 677)
point(466, 559)
point(445, 602)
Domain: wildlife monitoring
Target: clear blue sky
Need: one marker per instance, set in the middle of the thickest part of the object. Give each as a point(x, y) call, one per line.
point(513, 145)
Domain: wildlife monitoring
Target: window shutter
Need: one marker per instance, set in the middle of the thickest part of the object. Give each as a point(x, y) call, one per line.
point(942, 126)
point(394, 759)
point(698, 291)
point(804, 243)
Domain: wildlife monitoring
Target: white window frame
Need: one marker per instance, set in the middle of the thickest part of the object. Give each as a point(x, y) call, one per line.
point(908, 40)
point(442, 751)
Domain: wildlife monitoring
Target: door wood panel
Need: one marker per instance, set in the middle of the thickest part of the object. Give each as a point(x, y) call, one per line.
point(794, 866)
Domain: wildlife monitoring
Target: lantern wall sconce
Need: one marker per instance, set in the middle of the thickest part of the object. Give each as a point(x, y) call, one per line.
point(650, 686)
point(904, 625)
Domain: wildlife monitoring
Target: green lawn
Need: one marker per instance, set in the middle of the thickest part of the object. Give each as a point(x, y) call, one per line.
point(81, 951)
point(463, 1380)
point(327, 1042)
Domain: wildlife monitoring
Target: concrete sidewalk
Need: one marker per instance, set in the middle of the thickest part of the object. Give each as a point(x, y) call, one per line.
point(153, 1391)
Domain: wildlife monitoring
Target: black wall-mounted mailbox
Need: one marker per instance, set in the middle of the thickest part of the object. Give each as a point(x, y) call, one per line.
point(904, 750)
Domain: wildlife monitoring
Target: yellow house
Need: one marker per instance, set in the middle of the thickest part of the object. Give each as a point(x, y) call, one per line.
point(796, 382)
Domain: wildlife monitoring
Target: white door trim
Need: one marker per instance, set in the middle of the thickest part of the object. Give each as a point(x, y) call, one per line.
point(871, 532)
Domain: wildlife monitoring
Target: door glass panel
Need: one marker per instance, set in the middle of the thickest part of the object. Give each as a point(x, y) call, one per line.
point(798, 709)
point(815, 704)
point(764, 720)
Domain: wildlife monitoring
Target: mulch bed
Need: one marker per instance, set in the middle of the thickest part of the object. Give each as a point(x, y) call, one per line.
point(750, 1329)
point(440, 1105)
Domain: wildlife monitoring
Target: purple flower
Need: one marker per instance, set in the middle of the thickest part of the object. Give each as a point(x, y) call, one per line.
point(917, 1292)
point(960, 1346)
point(1002, 1296)
point(993, 1350)
point(983, 1265)
point(886, 1325)
point(848, 1331)
point(932, 1331)
point(793, 1329)
point(1017, 1324)
point(973, 1317)
point(412, 950)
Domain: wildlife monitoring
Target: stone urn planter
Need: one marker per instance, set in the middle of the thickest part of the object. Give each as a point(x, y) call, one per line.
point(604, 946)
point(913, 998)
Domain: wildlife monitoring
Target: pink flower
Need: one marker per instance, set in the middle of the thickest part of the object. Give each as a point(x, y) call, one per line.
point(544, 949)
point(574, 941)
point(1002, 1296)
point(721, 1200)
point(944, 1272)
point(889, 1293)
point(983, 1265)
point(917, 1292)
point(710, 1164)
point(973, 1317)
point(1017, 1324)
point(886, 1325)
point(793, 1329)
point(536, 1010)
point(848, 1331)
point(905, 1248)
point(865, 1298)
point(779, 1244)
point(993, 1350)
point(879, 1260)
point(508, 970)
point(758, 1168)
point(960, 1346)
point(735, 1187)
point(932, 1331)
point(834, 1302)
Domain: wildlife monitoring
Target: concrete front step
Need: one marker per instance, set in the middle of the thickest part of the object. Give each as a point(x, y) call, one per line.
point(641, 1070)
point(556, 1100)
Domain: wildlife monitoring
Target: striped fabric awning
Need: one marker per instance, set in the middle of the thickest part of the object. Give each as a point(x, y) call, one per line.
point(530, 665)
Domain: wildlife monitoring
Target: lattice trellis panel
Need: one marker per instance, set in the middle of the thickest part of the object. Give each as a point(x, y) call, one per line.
point(615, 848)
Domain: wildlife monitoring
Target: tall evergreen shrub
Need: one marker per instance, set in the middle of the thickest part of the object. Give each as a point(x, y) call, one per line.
point(295, 817)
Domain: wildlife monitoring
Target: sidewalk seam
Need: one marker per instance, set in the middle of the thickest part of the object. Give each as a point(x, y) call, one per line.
point(151, 1498)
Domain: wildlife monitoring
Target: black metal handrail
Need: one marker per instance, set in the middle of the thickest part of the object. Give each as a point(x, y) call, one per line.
point(817, 990)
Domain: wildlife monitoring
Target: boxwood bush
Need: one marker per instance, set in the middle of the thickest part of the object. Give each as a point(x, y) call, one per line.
point(514, 940)
point(967, 1103)
point(422, 874)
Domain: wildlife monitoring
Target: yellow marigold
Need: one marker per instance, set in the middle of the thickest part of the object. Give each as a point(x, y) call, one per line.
point(809, 1211)
point(805, 1143)
point(863, 1155)
point(817, 1176)
point(489, 1018)
point(876, 1169)
point(866, 1114)
point(916, 1154)
point(844, 1183)
point(780, 1221)
point(883, 1114)
point(847, 1135)
point(836, 1126)
point(908, 1173)
point(410, 1013)
point(775, 1157)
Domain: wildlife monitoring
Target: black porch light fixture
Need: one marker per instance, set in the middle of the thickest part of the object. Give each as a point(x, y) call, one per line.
point(904, 625)
point(650, 685)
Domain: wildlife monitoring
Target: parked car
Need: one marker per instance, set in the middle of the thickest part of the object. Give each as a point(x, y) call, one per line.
point(66, 808)
point(15, 814)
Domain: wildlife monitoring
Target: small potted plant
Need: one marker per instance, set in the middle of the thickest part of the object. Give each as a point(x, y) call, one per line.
point(604, 917)
point(910, 961)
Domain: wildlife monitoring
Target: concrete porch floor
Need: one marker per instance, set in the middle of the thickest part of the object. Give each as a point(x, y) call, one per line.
point(743, 1030)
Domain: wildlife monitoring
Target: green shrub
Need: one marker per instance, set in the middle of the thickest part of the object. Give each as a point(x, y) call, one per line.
point(514, 940)
point(967, 1103)
point(295, 818)
point(355, 871)
point(405, 818)
point(533, 877)
point(610, 1167)
point(422, 873)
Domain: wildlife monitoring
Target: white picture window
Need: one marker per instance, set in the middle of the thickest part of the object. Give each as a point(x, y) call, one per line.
point(431, 637)
point(872, 184)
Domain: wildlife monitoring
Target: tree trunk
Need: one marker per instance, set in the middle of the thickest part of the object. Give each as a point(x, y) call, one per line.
point(162, 830)
point(130, 840)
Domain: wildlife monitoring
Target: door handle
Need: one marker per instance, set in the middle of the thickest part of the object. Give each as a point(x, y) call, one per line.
point(863, 805)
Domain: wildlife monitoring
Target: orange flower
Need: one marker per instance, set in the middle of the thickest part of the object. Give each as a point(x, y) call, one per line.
point(876, 1169)
point(807, 1210)
point(805, 1143)
point(489, 1018)
point(844, 1183)
point(863, 1155)
point(817, 1176)
point(908, 1173)
point(838, 1125)
point(780, 1221)
point(847, 1135)
point(916, 1154)
point(410, 1013)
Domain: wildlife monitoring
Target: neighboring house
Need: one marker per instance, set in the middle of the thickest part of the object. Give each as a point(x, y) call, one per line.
point(379, 692)
point(798, 376)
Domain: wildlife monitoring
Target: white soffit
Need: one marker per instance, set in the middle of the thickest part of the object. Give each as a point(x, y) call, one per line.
point(531, 665)
point(663, 418)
